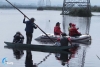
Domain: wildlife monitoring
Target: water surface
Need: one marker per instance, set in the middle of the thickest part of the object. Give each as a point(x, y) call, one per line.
point(11, 22)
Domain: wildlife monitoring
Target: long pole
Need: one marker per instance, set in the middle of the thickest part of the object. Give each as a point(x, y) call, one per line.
point(98, 57)
point(34, 23)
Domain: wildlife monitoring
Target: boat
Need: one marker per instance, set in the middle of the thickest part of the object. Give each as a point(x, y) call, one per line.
point(41, 48)
point(83, 38)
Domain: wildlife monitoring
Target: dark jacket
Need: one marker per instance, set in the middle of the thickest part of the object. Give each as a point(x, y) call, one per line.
point(30, 26)
point(18, 38)
point(64, 41)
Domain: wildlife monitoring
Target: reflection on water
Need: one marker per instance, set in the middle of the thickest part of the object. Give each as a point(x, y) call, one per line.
point(81, 59)
point(83, 23)
point(65, 58)
point(28, 60)
point(18, 53)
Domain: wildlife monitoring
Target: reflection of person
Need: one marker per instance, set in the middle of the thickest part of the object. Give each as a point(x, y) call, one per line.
point(18, 38)
point(64, 58)
point(30, 26)
point(57, 30)
point(74, 31)
point(28, 60)
point(18, 54)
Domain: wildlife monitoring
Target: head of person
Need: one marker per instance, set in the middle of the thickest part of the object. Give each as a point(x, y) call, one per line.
point(73, 25)
point(70, 24)
point(64, 34)
point(57, 24)
point(18, 33)
point(32, 19)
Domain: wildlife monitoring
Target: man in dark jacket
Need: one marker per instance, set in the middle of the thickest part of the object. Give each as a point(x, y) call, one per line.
point(30, 26)
point(65, 40)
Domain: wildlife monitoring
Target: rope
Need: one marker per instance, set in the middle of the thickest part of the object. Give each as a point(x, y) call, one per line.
point(43, 59)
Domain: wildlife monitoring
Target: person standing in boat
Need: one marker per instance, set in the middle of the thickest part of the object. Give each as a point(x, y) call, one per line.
point(30, 26)
point(74, 31)
point(57, 30)
point(65, 40)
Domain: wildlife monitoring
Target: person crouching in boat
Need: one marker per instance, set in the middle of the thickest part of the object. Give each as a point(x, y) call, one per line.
point(74, 31)
point(18, 38)
point(57, 30)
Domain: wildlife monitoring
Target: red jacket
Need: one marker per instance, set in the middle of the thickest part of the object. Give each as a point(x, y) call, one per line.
point(73, 31)
point(57, 30)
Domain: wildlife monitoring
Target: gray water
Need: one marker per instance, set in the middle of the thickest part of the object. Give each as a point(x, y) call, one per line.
point(11, 22)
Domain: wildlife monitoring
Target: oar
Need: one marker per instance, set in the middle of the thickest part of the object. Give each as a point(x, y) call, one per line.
point(34, 23)
point(98, 57)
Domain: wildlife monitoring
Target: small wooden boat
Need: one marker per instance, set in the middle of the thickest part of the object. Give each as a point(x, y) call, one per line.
point(34, 47)
point(44, 38)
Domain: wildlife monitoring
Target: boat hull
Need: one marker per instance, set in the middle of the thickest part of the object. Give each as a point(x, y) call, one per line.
point(44, 38)
point(41, 48)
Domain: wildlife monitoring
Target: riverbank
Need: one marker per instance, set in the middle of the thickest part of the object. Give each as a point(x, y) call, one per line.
point(93, 8)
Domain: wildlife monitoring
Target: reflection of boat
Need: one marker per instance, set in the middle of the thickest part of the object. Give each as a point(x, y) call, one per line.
point(44, 38)
point(42, 48)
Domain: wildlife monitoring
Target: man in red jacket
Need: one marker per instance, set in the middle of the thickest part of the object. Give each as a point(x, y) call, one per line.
point(74, 31)
point(57, 30)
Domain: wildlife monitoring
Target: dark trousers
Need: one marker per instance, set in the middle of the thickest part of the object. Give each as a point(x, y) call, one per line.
point(29, 37)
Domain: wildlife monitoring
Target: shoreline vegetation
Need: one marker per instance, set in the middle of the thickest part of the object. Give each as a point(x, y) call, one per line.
point(82, 12)
point(93, 8)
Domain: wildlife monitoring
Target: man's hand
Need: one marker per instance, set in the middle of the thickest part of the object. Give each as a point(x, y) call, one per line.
point(24, 16)
point(36, 25)
point(77, 28)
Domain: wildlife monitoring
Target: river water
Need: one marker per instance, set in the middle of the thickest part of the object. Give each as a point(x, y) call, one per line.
point(11, 21)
